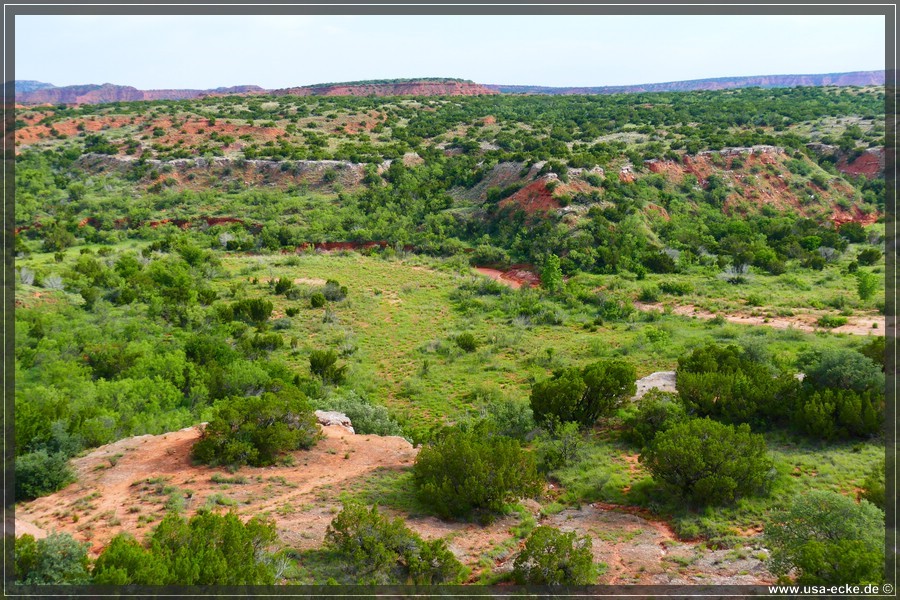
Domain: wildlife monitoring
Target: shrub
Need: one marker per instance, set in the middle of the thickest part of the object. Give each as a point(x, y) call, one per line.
point(323, 363)
point(213, 549)
point(724, 382)
point(252, 310)
point(827, 538)
point(551, 557)
point(583, 395)
point(293, 311)
point(317, 300)
point(367, 418)
point(656, 411)
point(125, 561)
point(831, 413)
point(383, 551)
point(708, 462)
point(512, 418)
point(676, 288)
point(831, 321)
point(841, 368)
point(473, 469)
point(467, 342)
point(283, 285)
point(41, 473)
point(334, 291)
point(868, 256)
point(866, 284)
point(649, 293)
point(256, 429)
point(875, 351)
point(53, 560)
point(873, 486)
point(560, 447)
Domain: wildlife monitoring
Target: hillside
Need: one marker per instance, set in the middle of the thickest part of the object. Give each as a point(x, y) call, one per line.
point(854, 78)
point(35, 93)
point(486, 286)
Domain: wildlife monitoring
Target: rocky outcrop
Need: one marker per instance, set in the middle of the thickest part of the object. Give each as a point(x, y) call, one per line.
point(406, 88)
point(328, 418)
point(319, 173)
point(108, 92)
point(868, 162)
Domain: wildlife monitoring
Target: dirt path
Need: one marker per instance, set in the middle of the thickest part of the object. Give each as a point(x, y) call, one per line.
point(131, 484)
point(861, 325)
point(125, 486)
point(514, 277)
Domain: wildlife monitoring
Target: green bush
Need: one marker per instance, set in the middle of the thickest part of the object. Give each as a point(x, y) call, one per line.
point(255, 311)
point(826, 538)
point(384, 551)
point(559, 447)
point(676, 288)
point(283, 285)
point(367, 418)
point(873, 486)
point(728, 384)
point(551, 557)
point(868, 256)
point(839, 413)
point(875, 351)
point(210, 549)
point(40, 473)
point(256, 429)
point(841, 368)
point(125, 561)
point(649, 293)
point(334, 291)
point(323, 364)
point(831, 321)
point(708, 462)
point(54, 560)
point(317, 300)
point(583, 395)
point(656, 411)
point(468, 470)
point(467, 342)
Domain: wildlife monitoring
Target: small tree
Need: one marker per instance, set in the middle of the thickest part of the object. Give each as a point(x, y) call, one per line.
point(383, 551)
point(551, 557)
point(473, 469)
point(707, 461)
point(551, 274)
point(255, 430)
point(827, 538)
point(55, 559)
point(583, 395)
point(323, 363)
point(866, 285)
point(873, 486)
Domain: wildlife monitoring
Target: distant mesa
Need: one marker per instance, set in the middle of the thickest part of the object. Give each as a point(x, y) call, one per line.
point(36, 92)
point(856, 78)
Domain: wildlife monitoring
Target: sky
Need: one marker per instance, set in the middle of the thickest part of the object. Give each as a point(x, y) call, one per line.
point(158, 52)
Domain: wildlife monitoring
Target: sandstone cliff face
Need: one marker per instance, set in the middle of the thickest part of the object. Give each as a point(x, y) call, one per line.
point(99, 94)
point(411, 88)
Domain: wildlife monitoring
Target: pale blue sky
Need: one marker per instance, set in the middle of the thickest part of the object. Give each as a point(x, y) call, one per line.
point(152, 52)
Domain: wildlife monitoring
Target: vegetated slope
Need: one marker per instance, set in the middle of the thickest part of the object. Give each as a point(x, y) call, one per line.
point(861, 78)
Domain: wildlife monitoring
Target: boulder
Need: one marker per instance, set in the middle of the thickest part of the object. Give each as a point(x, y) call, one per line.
point(327, 418)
